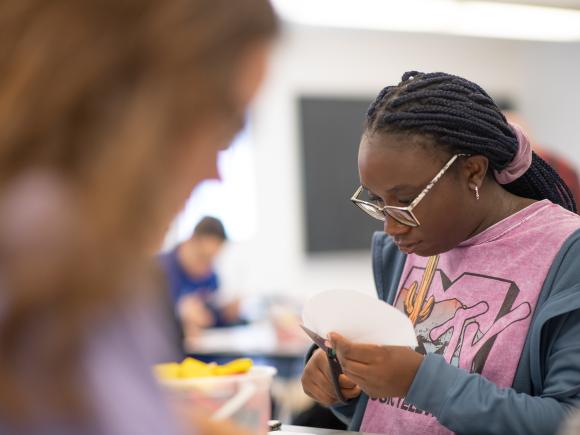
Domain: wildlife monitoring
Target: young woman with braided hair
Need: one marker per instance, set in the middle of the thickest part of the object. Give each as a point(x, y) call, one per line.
point(481, 250)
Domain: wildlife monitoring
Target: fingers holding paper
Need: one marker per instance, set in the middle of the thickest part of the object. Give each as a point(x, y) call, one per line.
point(380, 371)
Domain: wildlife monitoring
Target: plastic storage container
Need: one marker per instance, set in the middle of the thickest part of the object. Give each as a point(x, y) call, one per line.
point(243, 398)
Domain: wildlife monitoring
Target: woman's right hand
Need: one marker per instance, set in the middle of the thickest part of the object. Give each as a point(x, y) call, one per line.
point(317, 381)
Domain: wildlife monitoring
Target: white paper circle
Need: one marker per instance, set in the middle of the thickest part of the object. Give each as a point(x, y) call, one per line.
point(358, 317)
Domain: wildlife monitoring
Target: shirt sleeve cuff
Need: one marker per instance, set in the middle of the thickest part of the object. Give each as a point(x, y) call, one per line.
point(429, 390)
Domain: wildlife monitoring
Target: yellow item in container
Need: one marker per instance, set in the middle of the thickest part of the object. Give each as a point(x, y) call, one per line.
point(234, 367)
point(168, 370)
point(193, 368)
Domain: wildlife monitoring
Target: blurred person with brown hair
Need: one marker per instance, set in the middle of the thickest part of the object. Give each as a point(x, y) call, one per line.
point(193, 281)
point(111, 111)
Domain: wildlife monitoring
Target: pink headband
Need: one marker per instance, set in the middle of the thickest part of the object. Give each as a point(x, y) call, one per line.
point(521, 162)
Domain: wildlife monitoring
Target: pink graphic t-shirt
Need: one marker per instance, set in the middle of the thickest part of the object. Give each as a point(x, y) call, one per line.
point(473, 305)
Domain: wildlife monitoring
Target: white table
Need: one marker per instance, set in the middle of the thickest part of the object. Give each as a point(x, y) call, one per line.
point(314, 431)
point(255, 339)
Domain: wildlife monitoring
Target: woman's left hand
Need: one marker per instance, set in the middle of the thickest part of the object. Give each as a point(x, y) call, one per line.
point(380, 371)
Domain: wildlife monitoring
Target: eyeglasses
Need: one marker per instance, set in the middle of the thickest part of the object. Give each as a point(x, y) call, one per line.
point(403, 215)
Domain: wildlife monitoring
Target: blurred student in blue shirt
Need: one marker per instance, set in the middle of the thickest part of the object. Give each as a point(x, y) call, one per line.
point(193, 282)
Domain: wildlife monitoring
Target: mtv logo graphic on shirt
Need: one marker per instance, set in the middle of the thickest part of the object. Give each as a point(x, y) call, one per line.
point(462, 318)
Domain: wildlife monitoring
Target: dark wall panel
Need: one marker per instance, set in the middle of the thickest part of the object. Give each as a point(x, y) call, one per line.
point(330, 133)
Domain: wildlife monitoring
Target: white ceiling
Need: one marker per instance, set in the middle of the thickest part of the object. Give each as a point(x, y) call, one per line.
point(508, 19)
point(568, 4)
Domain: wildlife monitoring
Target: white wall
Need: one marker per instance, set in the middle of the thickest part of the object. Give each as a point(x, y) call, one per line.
point(348, 62)
point(551, 99)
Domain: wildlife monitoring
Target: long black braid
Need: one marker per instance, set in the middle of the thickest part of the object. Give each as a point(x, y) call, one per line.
point(460, 115)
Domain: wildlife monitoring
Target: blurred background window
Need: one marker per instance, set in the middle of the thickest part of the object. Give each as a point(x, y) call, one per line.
point(232, 199)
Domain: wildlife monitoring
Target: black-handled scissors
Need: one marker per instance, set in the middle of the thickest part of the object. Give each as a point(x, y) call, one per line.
point(335, 367)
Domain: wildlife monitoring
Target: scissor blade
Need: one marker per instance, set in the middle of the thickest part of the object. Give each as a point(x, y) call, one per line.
point(315, 337)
